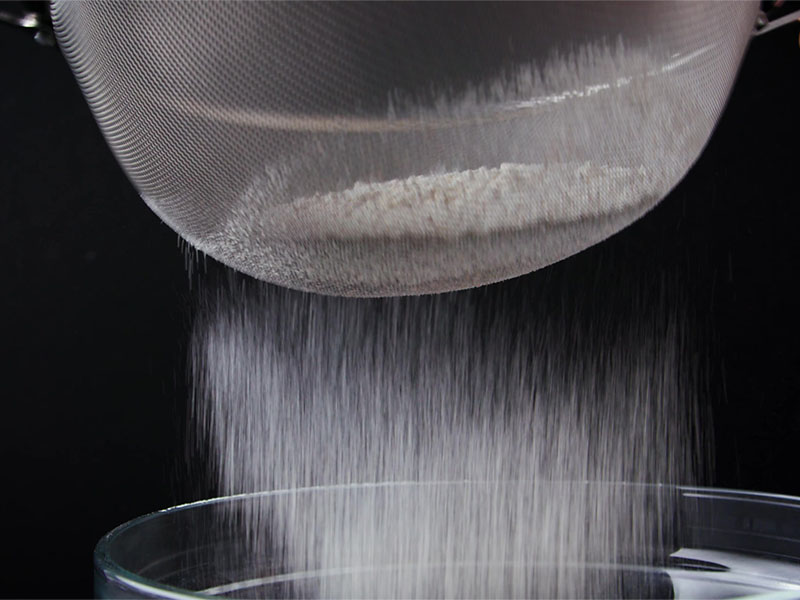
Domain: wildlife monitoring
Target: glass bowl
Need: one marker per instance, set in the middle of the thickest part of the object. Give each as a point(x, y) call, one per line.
point(711, 543)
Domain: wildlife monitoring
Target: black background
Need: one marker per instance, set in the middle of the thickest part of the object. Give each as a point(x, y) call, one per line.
point(96, 307)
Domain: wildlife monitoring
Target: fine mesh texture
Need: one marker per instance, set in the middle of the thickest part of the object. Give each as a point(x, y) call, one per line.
point(370, 149)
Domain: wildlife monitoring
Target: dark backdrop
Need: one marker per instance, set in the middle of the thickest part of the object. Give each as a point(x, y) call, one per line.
point(95, 306)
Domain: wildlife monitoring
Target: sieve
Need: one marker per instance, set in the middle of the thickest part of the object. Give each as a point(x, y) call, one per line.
point(377, 149)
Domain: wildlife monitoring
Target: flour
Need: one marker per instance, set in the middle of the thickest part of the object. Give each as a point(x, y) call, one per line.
point(476, 202)
point(475, 189)
point(541, 389)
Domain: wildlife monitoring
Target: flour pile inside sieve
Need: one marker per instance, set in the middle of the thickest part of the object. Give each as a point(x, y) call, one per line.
point(474, 189)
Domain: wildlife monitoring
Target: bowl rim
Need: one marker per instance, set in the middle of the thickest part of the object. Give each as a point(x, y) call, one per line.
point(110, 570)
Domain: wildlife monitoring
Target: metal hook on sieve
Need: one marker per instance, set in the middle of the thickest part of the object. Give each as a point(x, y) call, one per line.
point(30, 15)
point(773, 17)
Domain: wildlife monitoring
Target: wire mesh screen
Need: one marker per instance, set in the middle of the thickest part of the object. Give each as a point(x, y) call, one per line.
point(370, 149)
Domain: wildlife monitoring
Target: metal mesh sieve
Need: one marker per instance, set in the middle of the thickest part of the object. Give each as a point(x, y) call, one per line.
point(370, 149)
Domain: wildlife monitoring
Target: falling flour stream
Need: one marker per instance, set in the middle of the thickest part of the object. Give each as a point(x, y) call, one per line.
point(503, 402)
point(541, 387)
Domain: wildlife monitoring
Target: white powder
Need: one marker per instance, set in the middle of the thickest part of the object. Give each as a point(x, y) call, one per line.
point(476, 202)
point(482, 186)
point(506, 384)
point(438, 232)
